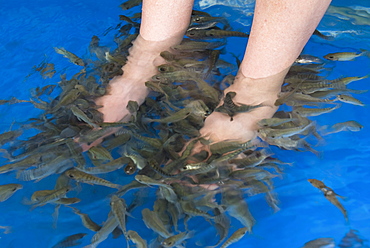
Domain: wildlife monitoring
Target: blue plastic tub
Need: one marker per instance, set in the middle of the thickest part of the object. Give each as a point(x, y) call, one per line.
point(29, 31)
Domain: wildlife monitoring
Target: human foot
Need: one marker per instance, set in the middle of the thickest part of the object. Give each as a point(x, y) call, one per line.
point(219, 127)
point(140, 67)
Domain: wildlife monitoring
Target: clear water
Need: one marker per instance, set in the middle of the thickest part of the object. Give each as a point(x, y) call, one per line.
point(29, 31)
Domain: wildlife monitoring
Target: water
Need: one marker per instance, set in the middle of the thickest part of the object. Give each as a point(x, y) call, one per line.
point(30, 30)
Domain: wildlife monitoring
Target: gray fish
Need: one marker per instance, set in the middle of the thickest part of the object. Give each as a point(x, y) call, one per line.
point(7, 190)
point(70, 241)
point(320, 243)
point(136, 239)
point(153, 222)
point(236, 236)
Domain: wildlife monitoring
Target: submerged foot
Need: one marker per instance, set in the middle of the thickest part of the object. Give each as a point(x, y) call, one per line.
point(243, 126)
point(140, 67)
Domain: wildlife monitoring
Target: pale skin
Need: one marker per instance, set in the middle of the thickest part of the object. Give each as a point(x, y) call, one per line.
point(280, 30)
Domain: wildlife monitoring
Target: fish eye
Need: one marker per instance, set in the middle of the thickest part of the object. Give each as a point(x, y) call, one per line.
point(129, 169)
point(197, 19)
point(191, 33)
point(168, 243)
point(162, 69)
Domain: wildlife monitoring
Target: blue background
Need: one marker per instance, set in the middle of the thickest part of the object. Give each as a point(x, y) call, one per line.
point(30, 29)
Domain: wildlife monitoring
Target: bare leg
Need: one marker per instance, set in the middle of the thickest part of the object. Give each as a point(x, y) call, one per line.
point(280, 30)
point(164, 23)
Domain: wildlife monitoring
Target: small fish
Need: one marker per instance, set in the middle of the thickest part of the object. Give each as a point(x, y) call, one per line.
point(214, 33)
point(118, 208)
point(72, 57)
point(100, 152)
point(330, 195)
point(273, 122)
point(130, 4)
point(152, 221)
point(83, 177)
point(307, 59)
point(68, 201)
point(177, 239)
point(284, 132)
point(320, 243)
point(230, 108)
point(109, 225)
point(7, 190)
point(321, 35)
point(53, 196)
point(86, 221)
point(344, 56)
point(352, 126)
point(304, 112)
point(235, 237)
point(237, 207)
point(81, 116)
point(136, 239)
point(349, 99)
point(70, 241)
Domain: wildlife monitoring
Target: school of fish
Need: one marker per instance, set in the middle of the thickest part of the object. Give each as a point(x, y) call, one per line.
point(154, 149)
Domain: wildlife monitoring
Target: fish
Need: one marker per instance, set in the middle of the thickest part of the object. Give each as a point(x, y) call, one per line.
point(50, 197)
point(321, 35)
point(153, 222)
point(9, 136)
point(72, 57)
point(353, 126)
point(304, 112)
point(344, 56)
point(109, 225)
point(100, 152)
point(307, 59)
point(136, 239)
point(330, 195)
point(236, 236)
point(273, 122)
point(214, 33)
point(130, 4)
point(237, 207)
point(83, 177)
point(197, 46)
point(320, 243)
point(176, 240)
point(231, 109)
point(7, 190)
point(70, 241)
point(81, 116)
point(349, 99)
point(119, 210)
point(86, 221)
point(284, 132)
point(68, 201)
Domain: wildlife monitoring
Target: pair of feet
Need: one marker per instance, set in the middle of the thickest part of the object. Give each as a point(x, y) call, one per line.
point(142, 65)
